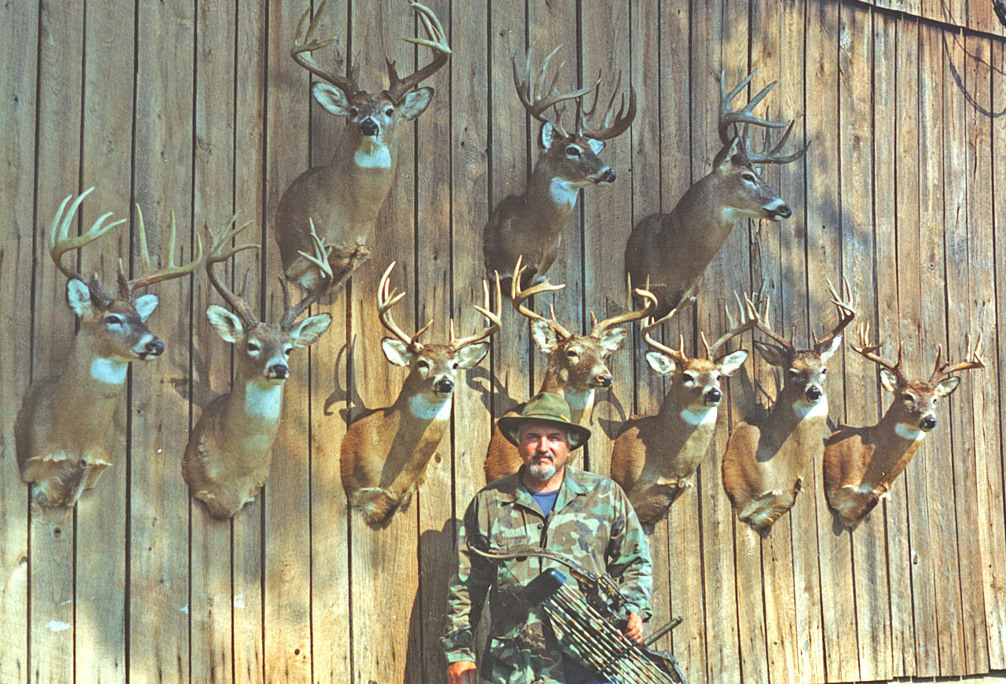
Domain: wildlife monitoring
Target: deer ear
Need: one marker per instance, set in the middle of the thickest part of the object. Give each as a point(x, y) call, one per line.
point(472, 354)
point(888, 380)
point(596, 146)
point(776, 356)
point(731, 363)
point(544, 336)
point(548, 135)
point(729, 156)
point(78, 297)
point(331, 98)
point(947, 386)
point(307, 332)
point(661, 364)
point(832, 347)
point(612, 338)
point(145, 306)
point(415, 103)
point(396, 351)
point(227, 325)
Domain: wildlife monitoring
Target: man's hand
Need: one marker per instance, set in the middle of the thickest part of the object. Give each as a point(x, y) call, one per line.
point(464, 672)
point(633, 629)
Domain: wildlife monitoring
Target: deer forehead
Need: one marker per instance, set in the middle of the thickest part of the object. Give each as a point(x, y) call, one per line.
point(807, 363)
point(436, 356)
point(267, 336)
point(922, 396)
point(701, 372)
point(581, 351)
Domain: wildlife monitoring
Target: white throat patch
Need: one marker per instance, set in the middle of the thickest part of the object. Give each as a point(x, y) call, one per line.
point(804, 409)
point(910, 432)
point(702, 416)
point(578, 400)
point(109, 371)
point(563, 192)
point(424, 409)
point(378, 156)
point(264, 402)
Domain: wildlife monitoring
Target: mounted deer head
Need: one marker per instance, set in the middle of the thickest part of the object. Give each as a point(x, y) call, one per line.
point(229, 452)
point(653, 455)
point(63, 425)
point(344, 198)
point(673, 250)
point(764, 462)
point(529, 225)
point(577, 364)
point(385, 451)
point(861, 464)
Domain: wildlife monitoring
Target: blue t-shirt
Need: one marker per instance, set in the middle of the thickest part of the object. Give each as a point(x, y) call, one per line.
point(545, 501)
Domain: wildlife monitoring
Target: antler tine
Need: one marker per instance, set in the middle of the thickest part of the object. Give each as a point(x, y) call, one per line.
point(436, 41)
point(387, 298)
point(869, 351)
point(320, 259)
point(649, 325)
point(305, 42)
point(773, 156)
point(598, 327)
point(613, 124)
point(972, 360)
point(60, 241)
point(170, 270)
point(747, 321)
point(216, 255)
point(492, 316)
point(761, 323)
point(746, 114)
point(845, 313)
point(517, 296)
point(534, 97)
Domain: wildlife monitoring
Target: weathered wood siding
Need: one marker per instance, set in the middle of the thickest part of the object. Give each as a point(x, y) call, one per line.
point(196, 108)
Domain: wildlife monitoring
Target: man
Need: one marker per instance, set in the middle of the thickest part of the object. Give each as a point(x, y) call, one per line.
point(547, 503)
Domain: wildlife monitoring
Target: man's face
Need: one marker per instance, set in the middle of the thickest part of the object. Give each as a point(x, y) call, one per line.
point(544, 448)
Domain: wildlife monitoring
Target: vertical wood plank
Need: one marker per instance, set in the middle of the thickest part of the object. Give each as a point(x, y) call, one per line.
point(18, 102)
point(52, 601)
point(159, 511)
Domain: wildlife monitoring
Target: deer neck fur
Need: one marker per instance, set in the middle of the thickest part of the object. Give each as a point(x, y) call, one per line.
point(90, 379)
point(365, 170)
point(254, 408)
point(551, 197)
point(895, 443)
point(795, 425)
point(675, 414)
point(698, 221)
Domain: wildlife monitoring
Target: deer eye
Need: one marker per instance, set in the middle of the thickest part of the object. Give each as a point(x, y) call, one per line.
point(252, 346)
point(353, 111)
point(455, 365)
point(572, 353)
point(748, 176)
point(793, 373)
point(113, 319)
point(423, 364)
point(824, 371)
point(287, 349)
point(573, 151)
point(389, 111)
point(689, 378)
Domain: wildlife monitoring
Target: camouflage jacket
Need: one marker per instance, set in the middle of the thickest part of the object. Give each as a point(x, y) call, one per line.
point(592, 523)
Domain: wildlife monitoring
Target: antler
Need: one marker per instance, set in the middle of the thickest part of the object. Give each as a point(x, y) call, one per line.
point(597, 328)
point(845, 311)
point(761, 323)
point(869, 351)
point(216, 255)
point(437, 42)
point(60, 242)
point(386, 298)
point(305, 42)
point(974, 360)
point(747, 117)
point(537, 98)
point(319, 259)
point(747, 312)
point(613, 124)
point(517, 296)
point(169, 271)
point(492, 316)
point(649, 325)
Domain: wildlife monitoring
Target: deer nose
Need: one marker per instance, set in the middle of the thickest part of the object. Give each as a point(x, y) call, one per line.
point(444, 386)
point(278, 370)
point(781, 211)
point(369, 127)
point(713, 397)
point(607, 176)
point(603, 380)
point(814, 393)
point(154, 347)
point(928, 423)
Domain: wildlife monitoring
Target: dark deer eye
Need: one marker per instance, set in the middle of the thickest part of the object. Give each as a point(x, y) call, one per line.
point(389, 111)
point(573, 151)
point(113, 320)
point(824, 371)
point(287, 350)
point(749, 177)
point(572, 354)
point(253, 346)
point(423, 364)
point(353, 111)
point(455, 365)
point(688, 377)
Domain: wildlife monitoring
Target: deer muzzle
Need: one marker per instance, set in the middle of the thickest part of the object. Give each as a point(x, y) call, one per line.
point(277, 371)
point(605, 176)
point(813, 393)
point(777, 210)
point(369, 127)
point(149, 348)
point(927, 423)
point(713, 397)
point(602, 380)
point(443, 386)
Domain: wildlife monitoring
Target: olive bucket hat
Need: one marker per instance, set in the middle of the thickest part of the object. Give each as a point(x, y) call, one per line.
point(546, 408)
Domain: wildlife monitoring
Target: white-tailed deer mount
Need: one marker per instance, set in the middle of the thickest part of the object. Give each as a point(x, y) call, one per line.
point(227, 458)
point(385, 451)
point(861, 464)
point(345, 197)
point(530, 225)
point(62, 429)
point(672, 251)
point(764, 461)
point(576, 364)
point(653, 456)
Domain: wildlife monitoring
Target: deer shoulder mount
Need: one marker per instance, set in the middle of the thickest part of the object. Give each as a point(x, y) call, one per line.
point(672, 251)
point(344, 198)
point(385, 451)
point(229, 452)
point(764, 461)
point(529, 225)
point(577, 364)
point(654, 456)
point(62, 429)
point(861, 464)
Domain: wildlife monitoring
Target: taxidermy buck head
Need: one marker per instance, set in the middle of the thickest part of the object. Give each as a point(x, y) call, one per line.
point(229, 452)
point(63, 426)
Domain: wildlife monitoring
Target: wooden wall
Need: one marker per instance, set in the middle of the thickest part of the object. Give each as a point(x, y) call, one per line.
point(196, 108)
